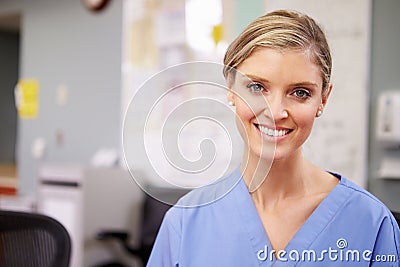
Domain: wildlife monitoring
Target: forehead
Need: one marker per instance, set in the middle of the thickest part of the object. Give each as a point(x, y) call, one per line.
point(289, 65)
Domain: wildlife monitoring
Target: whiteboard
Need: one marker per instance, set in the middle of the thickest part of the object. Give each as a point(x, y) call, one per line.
point(339, 139)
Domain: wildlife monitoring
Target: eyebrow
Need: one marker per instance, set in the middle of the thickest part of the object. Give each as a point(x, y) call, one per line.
point(305, 84)
point(253, 77)
point(265, 81)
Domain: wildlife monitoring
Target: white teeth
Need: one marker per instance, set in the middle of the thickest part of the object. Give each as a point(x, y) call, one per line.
point(271, 132)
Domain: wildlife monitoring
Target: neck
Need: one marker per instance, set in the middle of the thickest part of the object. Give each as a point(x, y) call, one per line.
point(284, 178)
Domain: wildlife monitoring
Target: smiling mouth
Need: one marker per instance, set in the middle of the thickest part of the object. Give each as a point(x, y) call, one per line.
point(273, 132)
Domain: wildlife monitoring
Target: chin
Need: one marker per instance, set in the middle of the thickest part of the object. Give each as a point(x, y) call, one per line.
point(281, 155)
point(268, 153)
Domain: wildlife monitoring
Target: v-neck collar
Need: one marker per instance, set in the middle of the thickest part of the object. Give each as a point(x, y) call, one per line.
point(305, 235)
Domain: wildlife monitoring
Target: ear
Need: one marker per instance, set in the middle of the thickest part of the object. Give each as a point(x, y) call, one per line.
point(326, 95)
point(231, 95)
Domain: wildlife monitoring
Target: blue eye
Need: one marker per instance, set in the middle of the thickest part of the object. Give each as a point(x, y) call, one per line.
point(255, 87)
point(301, 93)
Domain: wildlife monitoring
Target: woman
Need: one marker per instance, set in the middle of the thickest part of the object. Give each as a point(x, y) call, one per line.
point(280, 210)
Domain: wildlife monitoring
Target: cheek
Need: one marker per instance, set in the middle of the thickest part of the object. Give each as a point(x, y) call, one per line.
point(244, 116)
point(305, 117)
point(243, 112)
point(248, 110)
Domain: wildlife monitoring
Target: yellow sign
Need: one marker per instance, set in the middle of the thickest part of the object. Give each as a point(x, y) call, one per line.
point(217, 33)
point(27, 98)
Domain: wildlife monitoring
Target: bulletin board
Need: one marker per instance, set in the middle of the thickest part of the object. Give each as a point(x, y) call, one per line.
point(340, 137)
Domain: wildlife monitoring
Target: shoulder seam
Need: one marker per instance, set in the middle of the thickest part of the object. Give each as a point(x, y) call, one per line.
point(171, 225)
point(169, 221)
point(364, 192)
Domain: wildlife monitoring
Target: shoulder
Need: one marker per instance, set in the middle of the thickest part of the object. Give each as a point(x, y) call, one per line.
point(214, 192)
point(364, 215)
point(363, 203)
point(357, 192)
point(202, 202)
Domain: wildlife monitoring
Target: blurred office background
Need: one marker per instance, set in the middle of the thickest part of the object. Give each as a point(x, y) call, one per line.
point(79, 68)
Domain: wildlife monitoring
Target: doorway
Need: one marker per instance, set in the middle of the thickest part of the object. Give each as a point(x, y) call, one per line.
point(9, 75)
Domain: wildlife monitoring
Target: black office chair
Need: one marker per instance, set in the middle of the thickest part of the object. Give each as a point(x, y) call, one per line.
point(153, 212)
point(396, 215)
point(30, 239)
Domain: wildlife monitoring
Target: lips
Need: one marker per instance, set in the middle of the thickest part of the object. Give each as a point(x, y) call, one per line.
point(273, 132)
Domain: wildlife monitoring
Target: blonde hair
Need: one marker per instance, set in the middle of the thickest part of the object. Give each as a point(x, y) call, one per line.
point(282, 30)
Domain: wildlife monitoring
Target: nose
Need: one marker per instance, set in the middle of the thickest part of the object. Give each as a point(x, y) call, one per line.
point(276, 108)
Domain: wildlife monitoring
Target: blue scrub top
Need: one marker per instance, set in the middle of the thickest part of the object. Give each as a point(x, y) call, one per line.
point(350, 227)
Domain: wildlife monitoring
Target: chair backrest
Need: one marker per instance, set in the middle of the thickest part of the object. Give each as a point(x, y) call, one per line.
point(154, 210)
point(153, 214)
point(29, 239)
point(396, 215)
